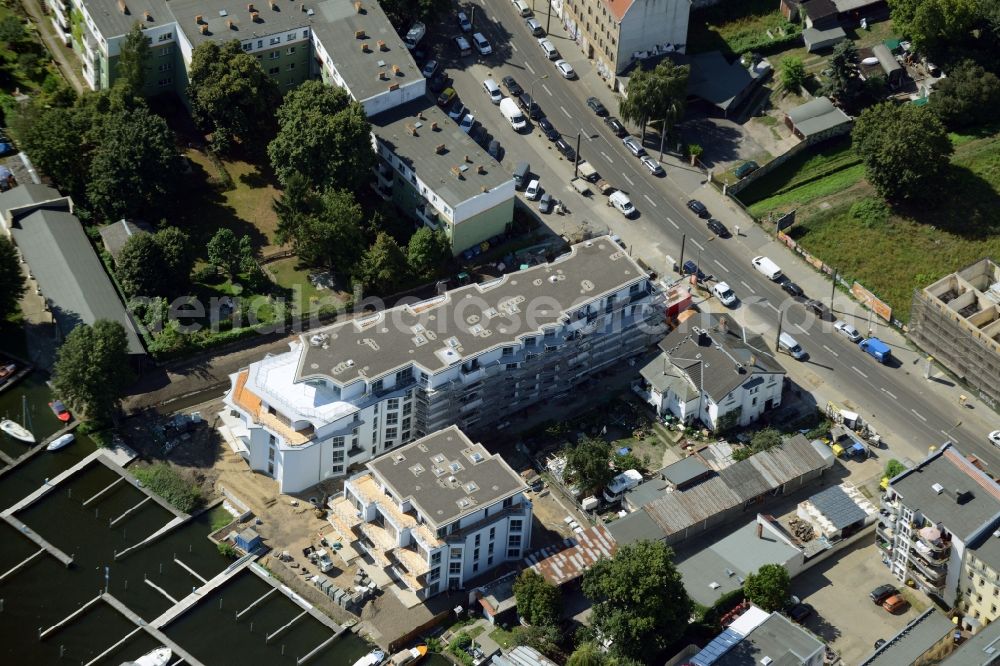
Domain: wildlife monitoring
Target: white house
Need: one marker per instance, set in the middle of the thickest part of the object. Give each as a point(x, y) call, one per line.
point(735, 373)
point(435, 513)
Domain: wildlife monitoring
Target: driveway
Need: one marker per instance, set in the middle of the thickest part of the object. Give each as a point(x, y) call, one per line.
point(845, 617)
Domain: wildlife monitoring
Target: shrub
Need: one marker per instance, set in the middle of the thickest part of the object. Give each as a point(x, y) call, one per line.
point(871, 212)
point(226, 549)
point(166, 482)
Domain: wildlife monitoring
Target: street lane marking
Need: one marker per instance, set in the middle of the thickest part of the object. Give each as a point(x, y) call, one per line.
point(752, 290)
point(859, 372)
point(673, 223)
point(562, 107)
point(528, 66)
point(721, 265)
point(546, 89)
point(771, 305)
point(804, 331)
point(646, 196)
point(919, 415)
point(889, 393)
point(629, 180)
point(513, 46)
point(693, 241)
point(834, 353)
point(611, 161)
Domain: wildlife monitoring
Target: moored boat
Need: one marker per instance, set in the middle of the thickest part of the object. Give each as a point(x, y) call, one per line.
point(60, 442)
point(158, 657)
point(373, 658)
point(409, 656)
point(59, 409)
point(17, 431)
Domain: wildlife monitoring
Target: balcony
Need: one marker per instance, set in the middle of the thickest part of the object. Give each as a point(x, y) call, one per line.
point(930, 586)
point(932, 556)
point(429, 217)
point(931, 573)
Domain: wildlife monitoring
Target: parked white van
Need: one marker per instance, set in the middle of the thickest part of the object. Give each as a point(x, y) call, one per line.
point(622, 203)
point(622, 483)
point(791, 345)
point(767, 267)
point(522, 8)
point(512, 113)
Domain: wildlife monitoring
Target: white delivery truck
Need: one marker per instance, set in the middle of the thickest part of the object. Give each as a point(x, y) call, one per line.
point(621, 203)
point(622, 483)
point(510, 111)
point(767, 267)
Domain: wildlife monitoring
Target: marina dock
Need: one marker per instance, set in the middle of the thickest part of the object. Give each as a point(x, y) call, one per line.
point(152, 629)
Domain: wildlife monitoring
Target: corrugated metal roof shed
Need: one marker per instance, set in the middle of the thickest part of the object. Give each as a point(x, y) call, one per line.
point(592, 544)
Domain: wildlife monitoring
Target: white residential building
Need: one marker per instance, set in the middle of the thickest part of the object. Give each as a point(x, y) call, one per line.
point(735, 373)
point(435, 513)
point(615, 33)
point(470, 357)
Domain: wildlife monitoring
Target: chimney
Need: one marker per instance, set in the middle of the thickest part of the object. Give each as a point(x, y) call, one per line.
point(229, 23)
point(440, 148)
point(250, 8)
point(359, 34)
point(393, 86)
point(468, 159)
point(122, 7)
point(411, 129)
point(274, 6)
point(480, 169)
point(434, 126)
point(382, 46)
point(364, 47)
point(382, 76)
point(420, 115)
point(204, 29)
point(760, 530)
point(455, 171)
point(255, 16)
point(198, 19)
point(357, 6)
point(395, 70)
point(148, 16)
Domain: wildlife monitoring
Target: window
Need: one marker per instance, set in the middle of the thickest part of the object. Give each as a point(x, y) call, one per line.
point(166, 50)
point(513, 553)
point(260, 43)
point(337, 442)
point(436, 557)
point(489, 560)
point(338, 469)
point(433, 575)
point(305, 33)
point(377, 386)
point(493, 533)
point(508, 502)
point(406, 424)
point(392, 418)
point(393, 403)
point(456, 553)
point(270, 468)
point(407, 408)
point(406, 435)
point(403, 375)
point(290, 67)
point(477, 541)
point(275, 40)
point(273, 70)
point(515, 525)
point(338, 456)
point(508, 351)
point(514, 541)
point(273, 55)
point(454, 568)
point(290, 36)
point(475, 567)
point(247, 46)
point(390, 433)
point(290, 51)
point(270, 453)
point(163, 83)
point(166, 67)
point(475, 555)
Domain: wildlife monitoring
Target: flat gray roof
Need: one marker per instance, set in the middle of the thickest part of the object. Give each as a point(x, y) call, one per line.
point(684, 471)
point(777, 638)
point(913, 641)
point(716, 80)
point(954, 473)
point(115, 235)
point(838, 507)
point(230, 19)
point(408, 131)
point(465, 322)
point(636, 526)
point(111, 21)
point(817, 115)
point(446, 476)
point(982, 649)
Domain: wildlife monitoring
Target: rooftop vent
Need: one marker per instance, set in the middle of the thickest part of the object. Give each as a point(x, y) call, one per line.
point(477, 457)
point(358, 7)
point(730, 573)
point(199, 19)
point(204, 29)
point(148, 16)
point(434, 125)
point(714, 585)
point(440, 148)
point(229, 24)
point(468, 159)
point(310, 11)
point(398, 458)
point(122, 7)
point(438, 459)
point(455, 467)
point(393, 86)
point(364, 47)
point(471, 487)
point(480, 169)
point(937, 488)
point(766, 661)
point(273, 5)
point(223, 13)
point(382, 76)
point(250, 8)
point(255, 16)
point(359, 34)
point(455, 171)
point(382, 46)
point(410, 129)
point(420, 114)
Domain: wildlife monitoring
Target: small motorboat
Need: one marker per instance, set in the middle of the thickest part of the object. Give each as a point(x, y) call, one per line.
point(7, 370)
point(373, 658)
point(60, 411)
point(60, 442)
point(410, 656)
point(158, 657)
point(17, 431)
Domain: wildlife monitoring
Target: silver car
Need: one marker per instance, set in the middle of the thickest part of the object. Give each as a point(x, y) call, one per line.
point(651, 164)
point(634, 146)
point(847, 330)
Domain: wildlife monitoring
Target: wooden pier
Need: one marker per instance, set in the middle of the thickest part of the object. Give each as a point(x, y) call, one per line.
point(153, 631)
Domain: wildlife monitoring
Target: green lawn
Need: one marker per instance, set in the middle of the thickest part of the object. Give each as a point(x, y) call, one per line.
point(916, 245)
point(737, 27)
point(295, 278)
point(504, 638)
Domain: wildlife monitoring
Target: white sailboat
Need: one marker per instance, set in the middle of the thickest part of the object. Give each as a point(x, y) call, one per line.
point(15, 429)
point(373, 658)
point(158, 657)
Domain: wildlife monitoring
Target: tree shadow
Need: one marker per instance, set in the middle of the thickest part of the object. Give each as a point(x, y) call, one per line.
point(966, 205)
point(721, 142)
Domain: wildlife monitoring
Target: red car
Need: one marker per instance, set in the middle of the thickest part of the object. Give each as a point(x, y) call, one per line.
point(60, 411)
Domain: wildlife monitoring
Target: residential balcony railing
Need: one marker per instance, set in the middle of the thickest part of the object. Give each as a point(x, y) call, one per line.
point(935, 574)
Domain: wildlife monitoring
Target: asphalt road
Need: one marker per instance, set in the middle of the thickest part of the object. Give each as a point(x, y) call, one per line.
point(910, 415)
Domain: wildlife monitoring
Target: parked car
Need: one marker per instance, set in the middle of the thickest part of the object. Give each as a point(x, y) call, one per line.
point(652, 165)
point(550, 132)
point(482, 44)
point(596, 106)
point(534, 26)
point(545, 203)
point(446, 97)
point(463, 46)
point(792, 289)
point(894, 604)
point(567, 150)
point(725, 295)
point(429, 69)
point(565, 69)
point(457, 111)
point(818, 308)
point(745, 169)
point(697, 207)
point(530, 106)
point(847, 331)
point(616, 126)
point(800, 612)
point(881, 593)
point(994, 438)
point(532, 191)
point(512, 86)
point(464, 23)
point(717, 228)
point(634, 146)
point(550, 51)
point(468, 122)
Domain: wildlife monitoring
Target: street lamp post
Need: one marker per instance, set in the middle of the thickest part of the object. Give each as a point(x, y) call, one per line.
point(531, 88)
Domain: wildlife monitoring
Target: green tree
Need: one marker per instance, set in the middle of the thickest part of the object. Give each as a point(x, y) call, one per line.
point(935, 25)
point(768, 588)
point(656, 95)
point(587, 464)
point(141, 269)
point(793, 73)
point(538, 600)
point(12, 281)
point(132, 57)
point(178, 257)
point(630, 461)
point(383, 267)
point(297, 202)
point(587, 654)
point(231, 96)
point(638, 598)
point(60, 141)
point(323, 231)
point(904, 148)
point(894, 468)
point(134, 165)
point(92, 370)
point(968, 96)
point(325, 136)
point(843, 83)
point(428, 252)
point(12, 29)
point(544, 638)
point(224, 251)
point(765, 439)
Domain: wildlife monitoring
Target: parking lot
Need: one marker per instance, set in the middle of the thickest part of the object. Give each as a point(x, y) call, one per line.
point(845, 617)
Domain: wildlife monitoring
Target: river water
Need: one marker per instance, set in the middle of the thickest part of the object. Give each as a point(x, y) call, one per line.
point(44, 592)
